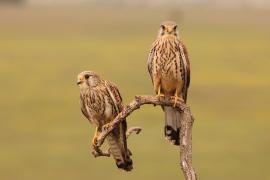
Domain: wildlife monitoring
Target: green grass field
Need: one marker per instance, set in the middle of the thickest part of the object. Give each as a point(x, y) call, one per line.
point(45, 136)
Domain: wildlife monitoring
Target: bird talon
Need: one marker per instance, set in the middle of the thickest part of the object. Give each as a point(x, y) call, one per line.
point(106, 126)
point(176, 100)
point(159, 96)
point(94, 142)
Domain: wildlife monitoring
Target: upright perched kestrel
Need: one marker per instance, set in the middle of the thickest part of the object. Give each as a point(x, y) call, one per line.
point(169, 68)
point(100, 103)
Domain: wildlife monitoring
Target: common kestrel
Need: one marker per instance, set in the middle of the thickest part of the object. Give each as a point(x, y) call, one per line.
point(100, 103)
point(169, 68)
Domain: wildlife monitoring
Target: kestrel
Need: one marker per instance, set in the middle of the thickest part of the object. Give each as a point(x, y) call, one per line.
point(169, 68)
point(100, 103)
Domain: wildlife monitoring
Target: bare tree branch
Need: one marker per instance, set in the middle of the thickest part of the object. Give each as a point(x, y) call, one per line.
point(97, 152)
point(186, 144)
point(185, 134)
point(131, 130)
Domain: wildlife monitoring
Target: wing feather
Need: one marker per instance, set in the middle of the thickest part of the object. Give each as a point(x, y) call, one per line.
point(115, 95)
point(185, 59)
point(151, 59)
point(83, 108)
point(117, 100)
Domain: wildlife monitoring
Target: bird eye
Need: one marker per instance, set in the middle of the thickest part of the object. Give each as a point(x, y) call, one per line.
point(162, 27)
point(175, 27)
point(87, 76)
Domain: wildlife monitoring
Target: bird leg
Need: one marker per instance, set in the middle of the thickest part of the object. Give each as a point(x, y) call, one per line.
point(159, 94)
point(176, 98)
point(94, 140)
point(96, 150)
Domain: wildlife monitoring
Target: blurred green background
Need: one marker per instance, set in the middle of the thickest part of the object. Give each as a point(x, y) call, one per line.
point(43, 48)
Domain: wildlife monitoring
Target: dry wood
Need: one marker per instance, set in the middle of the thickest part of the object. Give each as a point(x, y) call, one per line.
point(185, 134)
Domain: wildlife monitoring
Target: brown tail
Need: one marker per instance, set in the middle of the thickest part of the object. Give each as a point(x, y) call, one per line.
point(118, 147)
point(172, 125)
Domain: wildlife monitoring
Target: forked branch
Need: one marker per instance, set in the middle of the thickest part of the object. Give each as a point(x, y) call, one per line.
point(185, 134)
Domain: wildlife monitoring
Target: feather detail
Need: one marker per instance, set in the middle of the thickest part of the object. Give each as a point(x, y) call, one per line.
point(117, 140)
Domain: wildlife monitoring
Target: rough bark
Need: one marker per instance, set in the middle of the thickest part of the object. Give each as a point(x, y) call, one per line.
point(185, 134)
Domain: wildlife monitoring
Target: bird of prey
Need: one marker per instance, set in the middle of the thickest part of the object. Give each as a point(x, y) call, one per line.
point(169, 68)
point(100, 103)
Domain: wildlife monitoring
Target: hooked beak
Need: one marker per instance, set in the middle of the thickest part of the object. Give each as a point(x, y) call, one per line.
point(169, 30)
point(79, 81)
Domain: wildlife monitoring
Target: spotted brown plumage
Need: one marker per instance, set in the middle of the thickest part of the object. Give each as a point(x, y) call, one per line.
point(169, 68)
point(100, 103)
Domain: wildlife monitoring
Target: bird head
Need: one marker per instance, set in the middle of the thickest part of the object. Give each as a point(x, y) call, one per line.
point(87, 79)
point(168, 28)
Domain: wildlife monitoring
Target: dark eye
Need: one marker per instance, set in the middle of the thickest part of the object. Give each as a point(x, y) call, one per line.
point(175, 27)
point(162, 27)
point(87, 76)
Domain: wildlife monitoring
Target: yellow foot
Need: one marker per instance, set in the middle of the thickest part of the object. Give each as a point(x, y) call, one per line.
point(106, 126)
point(160, 95)
point(94, 142)
point(176, 100)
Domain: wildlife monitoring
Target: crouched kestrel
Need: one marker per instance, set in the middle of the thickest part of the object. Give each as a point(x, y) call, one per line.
point(169, 68)
point(100, 103)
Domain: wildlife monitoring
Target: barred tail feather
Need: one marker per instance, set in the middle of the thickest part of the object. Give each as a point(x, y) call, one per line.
point(118, 150)
point(172, 125)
